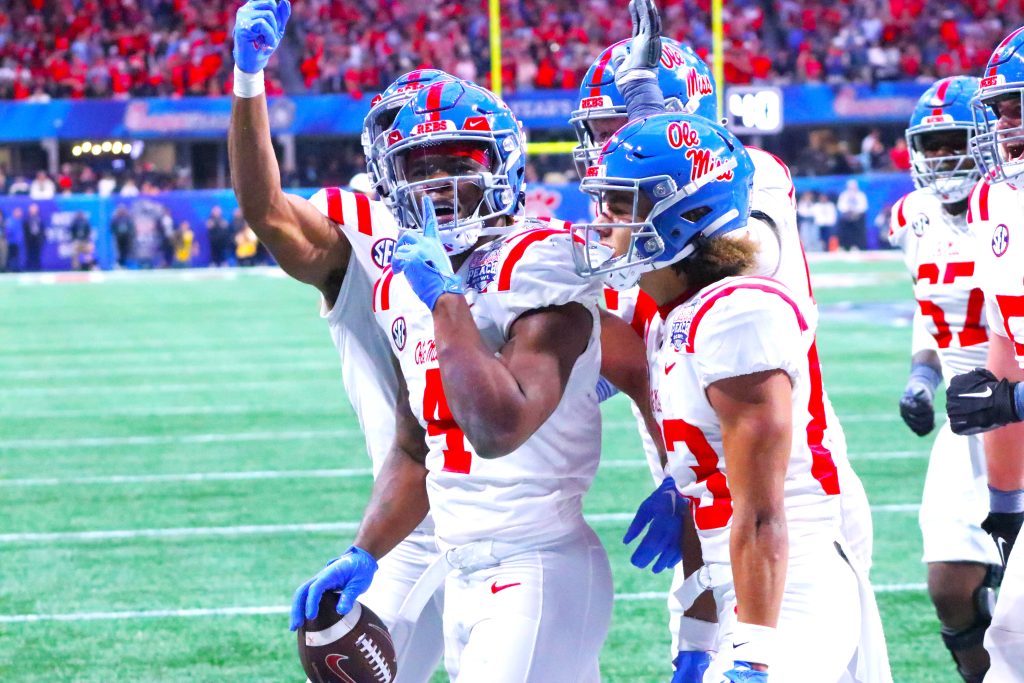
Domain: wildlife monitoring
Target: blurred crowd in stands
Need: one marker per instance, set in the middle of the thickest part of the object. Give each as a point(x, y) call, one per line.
point(83, 178)
point(161, 242)
point(122, 48)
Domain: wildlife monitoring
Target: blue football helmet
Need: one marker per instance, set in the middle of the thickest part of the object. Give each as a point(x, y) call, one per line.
point(943, 118)
point(383, 109)
point(999, 143)
point(465, 123)
point(695, 176)
point(685, 80)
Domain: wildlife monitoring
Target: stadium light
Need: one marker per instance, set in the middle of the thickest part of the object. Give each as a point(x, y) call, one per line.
point(76, 151)
point(116, 148)
point(107, 146)
point(127, 148)
point(86, 146)
point(96, 150)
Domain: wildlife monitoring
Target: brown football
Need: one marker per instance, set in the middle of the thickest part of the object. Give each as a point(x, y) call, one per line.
point(355, 648)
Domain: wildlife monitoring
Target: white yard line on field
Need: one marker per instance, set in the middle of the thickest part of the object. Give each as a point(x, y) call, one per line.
point(335, 473)
point(270, 529)
point(157, 370)
point(194, 477)
point(104, 441)
point(164, 411)
point(159, 388)
point(330, 473)
point(649, 596)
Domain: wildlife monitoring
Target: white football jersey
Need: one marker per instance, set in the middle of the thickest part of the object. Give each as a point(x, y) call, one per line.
point(734, 327)
point(996, 216)
point(780, 256)
point(534, 493)
point(941, 252)
point(367, 366)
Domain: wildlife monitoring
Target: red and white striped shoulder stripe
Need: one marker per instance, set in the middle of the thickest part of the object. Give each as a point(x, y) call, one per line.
point(359, 209)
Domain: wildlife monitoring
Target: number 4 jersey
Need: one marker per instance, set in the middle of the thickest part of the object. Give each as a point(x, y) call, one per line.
point(533, 494)
point(941, 252)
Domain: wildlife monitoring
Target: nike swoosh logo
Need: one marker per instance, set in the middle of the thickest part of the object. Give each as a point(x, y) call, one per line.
point(980, 394)
point(495, 588)
point(1003, 550)
point(668, 368)
point(333, 662)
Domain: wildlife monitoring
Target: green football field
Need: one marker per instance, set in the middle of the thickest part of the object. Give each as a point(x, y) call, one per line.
point(177, 455)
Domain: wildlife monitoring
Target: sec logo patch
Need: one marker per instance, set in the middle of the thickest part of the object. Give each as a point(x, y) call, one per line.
point(919, 224)
point(1000, 240)
point(382, 251)
point(398, 333)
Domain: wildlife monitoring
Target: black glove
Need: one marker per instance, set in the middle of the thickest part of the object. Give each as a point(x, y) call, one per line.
point(917, 410)
point(978, 402)
point(1003, 527)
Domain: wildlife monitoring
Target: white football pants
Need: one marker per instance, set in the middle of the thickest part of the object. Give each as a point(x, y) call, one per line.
point(819, 627)
point(1004, 639)
point(955, 502)
point(535, 616)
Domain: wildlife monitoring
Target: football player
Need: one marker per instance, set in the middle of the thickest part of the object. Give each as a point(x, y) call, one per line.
point(687, 85)
point(339, 242)
point(498, 340)
point(737, 389)
point(990, 399)
point(950, 338)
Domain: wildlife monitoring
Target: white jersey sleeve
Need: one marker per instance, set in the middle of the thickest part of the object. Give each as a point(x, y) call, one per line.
point(754, 328)
point(530, 270)
point(898, 224)
point(368, 226)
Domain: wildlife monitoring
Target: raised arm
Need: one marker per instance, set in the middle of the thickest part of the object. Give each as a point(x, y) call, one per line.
point(306, 244)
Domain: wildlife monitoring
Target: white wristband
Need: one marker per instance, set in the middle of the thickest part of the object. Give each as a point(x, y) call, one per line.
point(754, 643)
point(248, 85)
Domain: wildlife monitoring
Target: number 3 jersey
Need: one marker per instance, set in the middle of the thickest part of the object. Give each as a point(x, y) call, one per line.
point(535, 493)
point(739, 326)
point(941, 251)
point(996, 216)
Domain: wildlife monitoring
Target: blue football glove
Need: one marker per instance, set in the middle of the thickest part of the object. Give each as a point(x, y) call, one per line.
point(351, 574)
point(742, 673)
point(663, 510)
point(259, 27)
point(690, 666)
point(422, 258)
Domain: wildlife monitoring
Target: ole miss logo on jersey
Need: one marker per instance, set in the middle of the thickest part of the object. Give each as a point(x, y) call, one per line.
point(382, 251)
point(1000, 240)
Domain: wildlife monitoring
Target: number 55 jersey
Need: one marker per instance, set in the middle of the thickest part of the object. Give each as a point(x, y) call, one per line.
point(942, 253)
